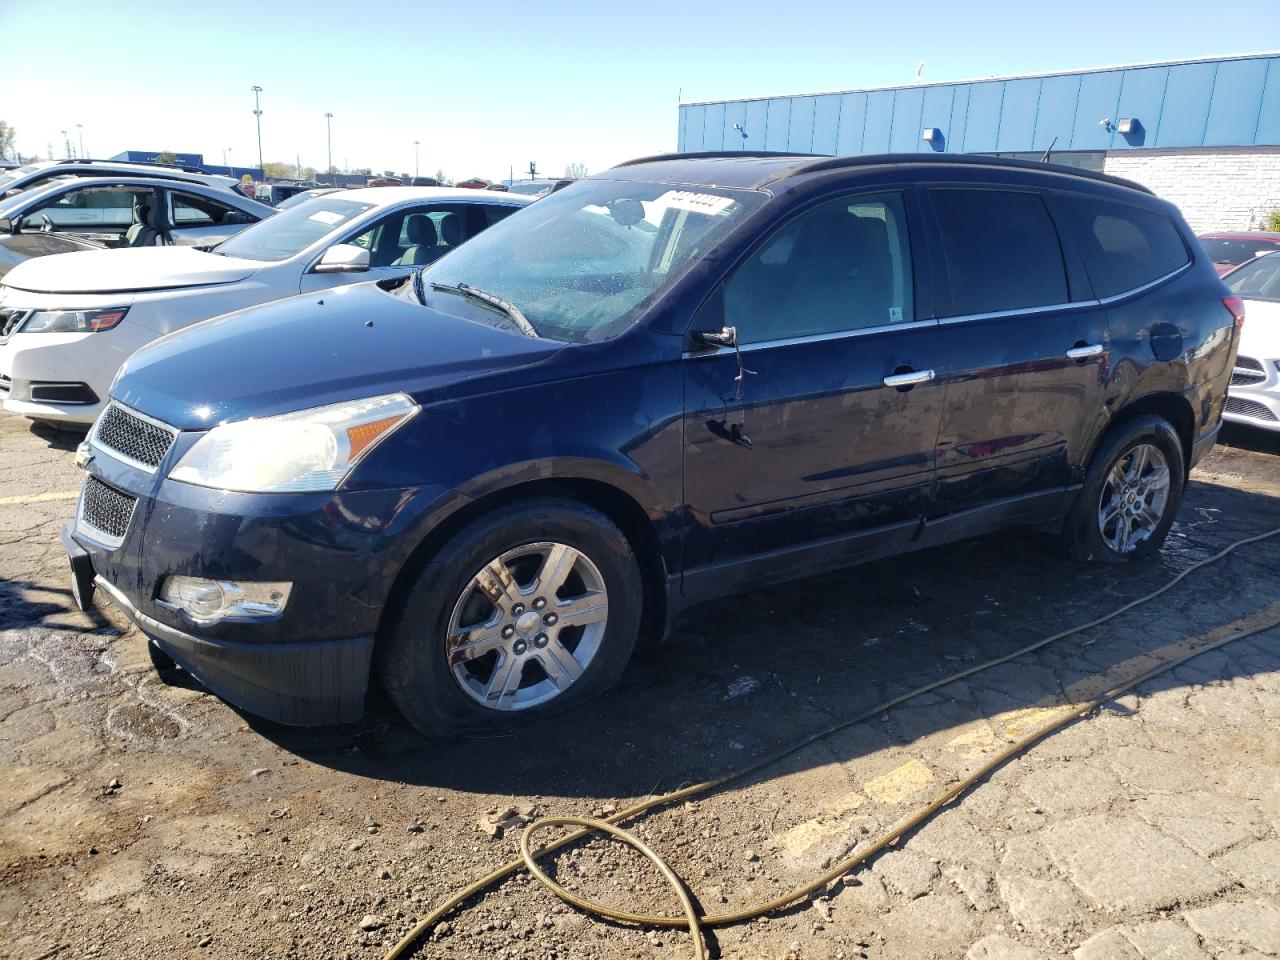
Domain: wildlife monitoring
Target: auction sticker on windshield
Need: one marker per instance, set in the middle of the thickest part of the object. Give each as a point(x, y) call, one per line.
point(327, 217)
point(708, 203)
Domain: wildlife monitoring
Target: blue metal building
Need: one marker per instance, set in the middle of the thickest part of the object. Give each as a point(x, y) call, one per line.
point(1167, 124)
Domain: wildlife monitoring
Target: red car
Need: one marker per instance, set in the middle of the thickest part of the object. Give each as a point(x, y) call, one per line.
point(1229, 250)
point(385, 182)
point(475, 183)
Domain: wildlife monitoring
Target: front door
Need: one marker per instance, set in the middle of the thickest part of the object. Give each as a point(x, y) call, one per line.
point(822, 426)
point(1026, 351)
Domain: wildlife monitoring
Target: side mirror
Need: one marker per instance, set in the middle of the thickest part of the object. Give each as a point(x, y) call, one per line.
point(724, 337)
point(7, 225)
point(343, 258)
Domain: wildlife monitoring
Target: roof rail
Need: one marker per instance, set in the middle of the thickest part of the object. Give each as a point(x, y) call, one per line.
point(720, 154)
point(185, 168)
point(966, 159)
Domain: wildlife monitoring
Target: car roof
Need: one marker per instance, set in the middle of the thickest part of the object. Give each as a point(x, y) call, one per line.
point(384, 196)
point(1240, 235)
point(754, 170)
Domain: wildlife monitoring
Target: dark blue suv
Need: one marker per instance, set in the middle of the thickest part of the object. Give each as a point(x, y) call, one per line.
point(688, 376)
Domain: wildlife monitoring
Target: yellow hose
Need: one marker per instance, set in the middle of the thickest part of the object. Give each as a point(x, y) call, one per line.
point(695, 923)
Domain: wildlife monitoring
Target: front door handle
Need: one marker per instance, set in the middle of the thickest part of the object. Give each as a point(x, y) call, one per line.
point(1085, 352)
point(909, 379)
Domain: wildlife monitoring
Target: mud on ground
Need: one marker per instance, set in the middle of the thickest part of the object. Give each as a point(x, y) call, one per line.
point(141, 818)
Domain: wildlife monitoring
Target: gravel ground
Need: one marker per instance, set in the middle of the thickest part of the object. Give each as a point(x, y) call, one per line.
point(141, 817)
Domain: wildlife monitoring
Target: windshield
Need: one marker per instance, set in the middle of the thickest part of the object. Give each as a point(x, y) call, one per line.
point(1235, 252)
point(581, 264)
point(291, 231)
point(1259, 280)
point(288, 203)
point(9, 176)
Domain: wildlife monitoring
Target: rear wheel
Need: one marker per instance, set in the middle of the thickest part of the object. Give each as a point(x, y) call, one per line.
point(527, 611)
point(1130, 495)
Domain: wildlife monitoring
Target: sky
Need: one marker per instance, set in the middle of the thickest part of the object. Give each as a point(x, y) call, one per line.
point(487, 88)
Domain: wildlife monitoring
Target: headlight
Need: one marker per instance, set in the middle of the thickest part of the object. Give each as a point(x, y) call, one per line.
point(305, 451)
point(73, 321)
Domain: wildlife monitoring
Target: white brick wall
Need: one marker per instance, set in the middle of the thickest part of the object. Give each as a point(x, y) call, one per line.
point(1216, 188)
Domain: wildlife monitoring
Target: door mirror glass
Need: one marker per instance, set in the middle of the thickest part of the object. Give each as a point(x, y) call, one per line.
point(343, 258)
point(7, 225)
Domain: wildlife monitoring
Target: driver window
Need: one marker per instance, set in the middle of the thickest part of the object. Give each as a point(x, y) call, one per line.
point(844, 265)
point(90, 206)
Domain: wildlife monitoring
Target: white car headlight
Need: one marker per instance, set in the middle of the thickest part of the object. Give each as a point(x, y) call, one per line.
point(295, 452)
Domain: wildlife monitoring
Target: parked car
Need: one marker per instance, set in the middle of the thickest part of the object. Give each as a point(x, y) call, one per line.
point(42, 171)
point(66, 326)
point(385, 182)
point(275, 193)
point(474, 183)
point(1229, 250)
point(94, 213)
point(304, 196)
point(492, 479)
point(1255, 382)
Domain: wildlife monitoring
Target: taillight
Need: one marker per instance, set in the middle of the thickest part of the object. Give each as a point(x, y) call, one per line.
point(1235, 307)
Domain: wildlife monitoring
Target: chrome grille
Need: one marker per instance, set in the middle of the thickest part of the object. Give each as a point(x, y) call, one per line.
point(1248, 363)
point(1247, 372)
point(1249, 408)
point(137, 439)
point(106, 509)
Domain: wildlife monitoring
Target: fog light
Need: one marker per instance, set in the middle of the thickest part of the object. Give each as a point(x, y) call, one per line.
point(208, 601)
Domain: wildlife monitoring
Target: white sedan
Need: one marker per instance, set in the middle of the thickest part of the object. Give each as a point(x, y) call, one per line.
point(1254, 395)
point(68, 322)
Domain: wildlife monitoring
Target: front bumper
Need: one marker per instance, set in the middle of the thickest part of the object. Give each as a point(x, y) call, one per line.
point(341, 551)
point(1256, 405)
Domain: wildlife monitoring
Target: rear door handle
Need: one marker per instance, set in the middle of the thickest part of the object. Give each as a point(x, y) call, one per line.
point(909, 379)
point(1085, 352)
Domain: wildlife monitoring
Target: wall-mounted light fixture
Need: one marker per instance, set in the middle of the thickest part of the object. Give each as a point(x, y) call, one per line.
point(930, 134)
point(1105, 124)
point(1128, 125)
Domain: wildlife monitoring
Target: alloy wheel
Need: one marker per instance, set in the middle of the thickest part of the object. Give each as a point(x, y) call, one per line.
point(527, 625)
point(1134, 498)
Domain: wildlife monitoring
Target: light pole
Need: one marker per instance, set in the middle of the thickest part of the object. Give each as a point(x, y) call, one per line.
point(328, 129)
point(80, 134)
point(66, 143)
point(257, 112)
point(415, 159)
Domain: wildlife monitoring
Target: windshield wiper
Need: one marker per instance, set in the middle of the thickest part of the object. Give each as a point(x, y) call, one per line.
point(505, 306)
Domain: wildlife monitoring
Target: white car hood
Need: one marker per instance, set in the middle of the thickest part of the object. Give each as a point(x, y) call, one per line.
point(127, 270)
point(1260, 337)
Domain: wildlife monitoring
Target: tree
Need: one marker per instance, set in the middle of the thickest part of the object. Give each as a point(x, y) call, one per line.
point(575, 171)
point(7, 135)
point(1271, 224)
point(166, 156)
point(442, 179)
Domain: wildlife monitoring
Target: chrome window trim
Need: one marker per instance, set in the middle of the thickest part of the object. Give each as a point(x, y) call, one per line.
point(116, 454)
point(22, 316)
point(812, 338)
point(1071, 305)
point(97, 535)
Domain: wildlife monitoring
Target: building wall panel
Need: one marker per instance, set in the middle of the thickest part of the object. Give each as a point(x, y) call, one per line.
point(1018, 114)
point(904, 136)
point(1186, 105)
point(826, 123)
point(800, 136)
point(879, 122)
point(1056, 113)
point(937, 112)
point(1233, 112)
point(853, 121)
point(1141, 99)
point(983, 125)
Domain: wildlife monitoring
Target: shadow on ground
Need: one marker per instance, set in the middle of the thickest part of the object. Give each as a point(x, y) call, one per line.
point(744, 675)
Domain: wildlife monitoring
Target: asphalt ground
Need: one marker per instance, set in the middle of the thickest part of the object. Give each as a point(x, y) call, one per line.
point(142, 817)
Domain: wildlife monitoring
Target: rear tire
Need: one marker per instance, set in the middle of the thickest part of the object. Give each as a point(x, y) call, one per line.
point(1130, 495)
point(524, 613)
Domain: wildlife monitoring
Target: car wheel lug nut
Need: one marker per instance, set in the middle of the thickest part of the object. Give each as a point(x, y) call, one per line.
point(517, 609)
point(539, 603)
point(508, 632)
point(550, 619)
point(519, 647)
point(540, 641)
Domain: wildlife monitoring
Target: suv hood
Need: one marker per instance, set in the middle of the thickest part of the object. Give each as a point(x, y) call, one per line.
point(128, 270)
point(339, 344)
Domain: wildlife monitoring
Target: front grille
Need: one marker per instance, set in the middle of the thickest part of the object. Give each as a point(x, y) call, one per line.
point(1248, 372)
point(1250, 408)
point(140, 440)
point(1248, 363)
point(10, 320)
point(106, 509)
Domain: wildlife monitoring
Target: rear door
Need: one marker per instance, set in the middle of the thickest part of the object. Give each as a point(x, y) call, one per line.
point(196, 219)
point(804, 435)
point(1026, 348)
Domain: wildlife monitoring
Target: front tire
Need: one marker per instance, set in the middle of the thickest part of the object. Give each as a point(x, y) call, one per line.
point(526, 612)
point(1130, 495)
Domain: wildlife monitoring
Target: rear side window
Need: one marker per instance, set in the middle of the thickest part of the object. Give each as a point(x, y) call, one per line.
point(1001, 249)
point(1123, 247)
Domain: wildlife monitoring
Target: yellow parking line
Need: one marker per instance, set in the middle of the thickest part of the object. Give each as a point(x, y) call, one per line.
point(41, 497)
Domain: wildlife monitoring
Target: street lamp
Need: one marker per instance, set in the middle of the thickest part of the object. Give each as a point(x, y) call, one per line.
point(66, 142)
point(328, 128)
point(257, 112)
point(415, 159)
point(80, 133)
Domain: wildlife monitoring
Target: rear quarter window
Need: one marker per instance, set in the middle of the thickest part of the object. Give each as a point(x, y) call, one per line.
point(1123, 247)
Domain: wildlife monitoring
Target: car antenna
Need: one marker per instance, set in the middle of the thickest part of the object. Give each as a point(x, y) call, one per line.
point(1045, 158)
